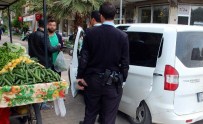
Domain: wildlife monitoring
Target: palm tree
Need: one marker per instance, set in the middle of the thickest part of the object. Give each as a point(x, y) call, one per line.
point(79, 9)
point(37, 5)
point(64, 9)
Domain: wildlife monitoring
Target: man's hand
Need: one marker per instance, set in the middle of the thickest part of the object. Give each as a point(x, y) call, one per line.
point(82, 81)
point(59, 46)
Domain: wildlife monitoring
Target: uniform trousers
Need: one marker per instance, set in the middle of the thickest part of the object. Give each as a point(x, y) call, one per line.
point(101, 99)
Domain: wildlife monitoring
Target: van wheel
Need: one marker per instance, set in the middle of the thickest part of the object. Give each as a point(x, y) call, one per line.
point(143, 115)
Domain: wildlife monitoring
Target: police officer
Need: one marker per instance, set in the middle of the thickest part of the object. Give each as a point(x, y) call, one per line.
point(95, 19)
point(103, 67)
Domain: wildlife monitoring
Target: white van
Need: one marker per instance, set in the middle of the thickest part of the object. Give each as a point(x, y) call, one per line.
point(165, 82)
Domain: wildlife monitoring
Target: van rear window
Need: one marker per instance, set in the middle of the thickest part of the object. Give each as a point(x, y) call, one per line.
point(189, 48)
point(144, 48)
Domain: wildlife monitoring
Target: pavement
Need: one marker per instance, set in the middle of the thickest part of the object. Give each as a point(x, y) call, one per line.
point(74, 106)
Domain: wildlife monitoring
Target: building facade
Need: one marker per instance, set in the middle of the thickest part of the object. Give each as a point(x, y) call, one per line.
point(188, 12)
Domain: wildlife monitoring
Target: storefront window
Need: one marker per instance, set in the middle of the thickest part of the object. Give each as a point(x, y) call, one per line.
point(183, 20)
point(161, 14)
point(145, 15)
point(196, 15)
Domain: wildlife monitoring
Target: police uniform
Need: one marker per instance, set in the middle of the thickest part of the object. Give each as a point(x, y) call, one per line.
point(104, 48)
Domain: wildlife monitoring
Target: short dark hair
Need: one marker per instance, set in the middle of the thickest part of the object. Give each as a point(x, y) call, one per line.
point(108, 10)
point(51, 20)
point(96, 15)
point(41, 23)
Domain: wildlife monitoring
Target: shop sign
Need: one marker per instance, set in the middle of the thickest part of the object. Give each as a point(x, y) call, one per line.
point(183, 10)
point(28, 18)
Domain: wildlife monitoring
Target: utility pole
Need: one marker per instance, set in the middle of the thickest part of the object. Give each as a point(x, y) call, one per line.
point(9, 23)
point(121, 11)
point(45, 32)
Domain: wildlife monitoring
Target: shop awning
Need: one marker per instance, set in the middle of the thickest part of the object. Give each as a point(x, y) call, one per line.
point(6, 3)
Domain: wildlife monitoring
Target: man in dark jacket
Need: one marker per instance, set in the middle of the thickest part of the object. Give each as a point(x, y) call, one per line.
point(36, 46)
point(103, 67)
point(95, 19)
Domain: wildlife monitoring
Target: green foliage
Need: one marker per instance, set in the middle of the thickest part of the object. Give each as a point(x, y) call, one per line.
point(59, 9)
point(25, 25)
point(71, 7)
point(16, 8)
point(62, 9)
point(9, 52)
point(16, 23)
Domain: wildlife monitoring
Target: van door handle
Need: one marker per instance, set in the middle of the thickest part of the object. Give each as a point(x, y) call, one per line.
point(157, 74)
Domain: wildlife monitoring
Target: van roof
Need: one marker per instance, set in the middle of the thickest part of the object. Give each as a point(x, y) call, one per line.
point(159, 28)
point(123, 25)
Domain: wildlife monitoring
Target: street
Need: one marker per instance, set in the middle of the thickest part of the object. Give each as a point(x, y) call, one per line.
point(75, 106)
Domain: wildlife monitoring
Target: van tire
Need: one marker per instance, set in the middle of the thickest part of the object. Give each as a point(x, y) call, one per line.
point(146, 115)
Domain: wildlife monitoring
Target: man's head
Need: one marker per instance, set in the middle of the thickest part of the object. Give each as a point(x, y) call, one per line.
point(41, 23)
point(51, 25)
point(95, 18)
point(107, 11)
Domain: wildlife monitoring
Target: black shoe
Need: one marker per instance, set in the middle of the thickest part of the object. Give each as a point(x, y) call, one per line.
point(81, 122)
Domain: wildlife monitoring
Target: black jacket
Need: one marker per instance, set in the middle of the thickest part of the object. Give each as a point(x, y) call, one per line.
point(36, 47)
point(104, 47)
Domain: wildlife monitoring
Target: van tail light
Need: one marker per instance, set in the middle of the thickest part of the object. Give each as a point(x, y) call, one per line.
point(171, 78)
point(189, 121)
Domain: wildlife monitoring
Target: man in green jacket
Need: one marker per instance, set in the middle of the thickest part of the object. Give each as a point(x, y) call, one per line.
point(54, 38)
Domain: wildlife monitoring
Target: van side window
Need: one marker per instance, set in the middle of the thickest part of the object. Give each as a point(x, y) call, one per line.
point(189, 48)
point(144, 48)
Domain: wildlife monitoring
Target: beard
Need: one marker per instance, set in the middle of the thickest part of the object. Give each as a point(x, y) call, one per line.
point(51, 30)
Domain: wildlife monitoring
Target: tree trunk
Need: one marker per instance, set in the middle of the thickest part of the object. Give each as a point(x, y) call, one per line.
point(79, 21)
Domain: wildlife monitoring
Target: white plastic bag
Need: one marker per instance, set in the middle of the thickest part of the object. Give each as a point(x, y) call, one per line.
point(60, 65)
point(56, 107)
point(60, 108)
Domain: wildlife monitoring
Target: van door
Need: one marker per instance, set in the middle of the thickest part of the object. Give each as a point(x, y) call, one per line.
point(161, 100)
point(144, 47)
point(74, 62)
point(189, 64)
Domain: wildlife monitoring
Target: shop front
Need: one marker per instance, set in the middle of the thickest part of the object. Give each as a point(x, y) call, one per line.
point(190, 14)
point(166, 11)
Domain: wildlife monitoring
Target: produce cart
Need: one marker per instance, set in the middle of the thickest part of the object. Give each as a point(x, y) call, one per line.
point(12, 96)
point(26, 83)
point(11, 99)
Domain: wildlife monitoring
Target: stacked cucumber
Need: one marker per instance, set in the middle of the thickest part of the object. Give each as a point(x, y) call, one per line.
point(16, 68)
point(27, 74)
